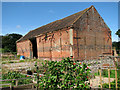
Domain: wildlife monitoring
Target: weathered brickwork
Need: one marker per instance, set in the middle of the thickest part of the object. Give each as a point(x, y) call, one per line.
point(55, 46)
point(86, 38)
point(24, 48)
point(92, 37)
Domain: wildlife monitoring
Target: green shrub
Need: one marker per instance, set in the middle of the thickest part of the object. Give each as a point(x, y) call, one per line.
point(64, 74)
point(15, 75)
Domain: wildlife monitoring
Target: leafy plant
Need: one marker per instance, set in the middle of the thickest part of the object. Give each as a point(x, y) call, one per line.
point(37, 75)
point(113, 85)
point(10, 62)
point(22, 61)
point(112, 75)
point(15, 75)
point(64, 74)
point(18, 56)
point(105, 73)
point(4, 62)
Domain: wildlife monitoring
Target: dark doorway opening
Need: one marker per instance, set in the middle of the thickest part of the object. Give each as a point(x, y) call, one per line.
point(34, 47)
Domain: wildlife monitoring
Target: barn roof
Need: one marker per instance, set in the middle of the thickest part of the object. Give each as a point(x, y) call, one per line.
point(56, 25)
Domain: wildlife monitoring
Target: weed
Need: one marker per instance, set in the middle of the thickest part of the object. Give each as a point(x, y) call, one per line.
point(22, 61)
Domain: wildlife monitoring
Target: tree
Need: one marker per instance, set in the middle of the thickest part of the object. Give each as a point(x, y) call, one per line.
point(116, 45)
point(118, 33)
point(9, 42)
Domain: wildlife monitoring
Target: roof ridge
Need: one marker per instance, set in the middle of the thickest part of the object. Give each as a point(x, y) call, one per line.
point(55, 25)
point(23, 36)
point(66, 17)
point(85, 10)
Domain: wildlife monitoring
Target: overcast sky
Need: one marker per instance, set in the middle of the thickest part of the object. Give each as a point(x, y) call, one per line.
point(21, 17)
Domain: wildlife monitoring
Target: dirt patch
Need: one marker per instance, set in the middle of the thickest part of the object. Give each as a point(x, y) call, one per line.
point(21, 67)
point(94, 83)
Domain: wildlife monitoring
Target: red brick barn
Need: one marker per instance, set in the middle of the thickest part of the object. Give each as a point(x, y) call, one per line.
point(83, 35)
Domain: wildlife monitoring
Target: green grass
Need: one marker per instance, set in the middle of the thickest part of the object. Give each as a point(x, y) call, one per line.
point(15, 75)
point(105, 73)
point(4, 58)
point(118, 54)
point(22, 61)
point(4, 62)
point(4, 85)
point(10, 62)
point(113, 85)
point(96, 74)
point(31, 60)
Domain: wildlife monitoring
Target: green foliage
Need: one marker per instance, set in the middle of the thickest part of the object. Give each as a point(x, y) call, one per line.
point(46, 36)
point(64, 74)
point(96, 74)
point(118, 71)
point(18, 56)
point(9, 42)
point(105, 73)
point(118, 32)
point(113, 85)
point(22, 61)
point(37, 75)
point(112, 75)
point(14, 57)
point(4, 62)
point(116, 45)
point(10, 62)
point(15, 75)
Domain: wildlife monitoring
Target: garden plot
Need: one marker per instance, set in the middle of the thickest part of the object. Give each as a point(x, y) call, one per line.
point(95, 82)
point(22, 66)
point(95, 64)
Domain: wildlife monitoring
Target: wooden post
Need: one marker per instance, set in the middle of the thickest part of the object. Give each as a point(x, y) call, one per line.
point(109, 77)
point(10, 87)
point(116, 77)
point(100, 78)
point(16, 82)
point(32, 86)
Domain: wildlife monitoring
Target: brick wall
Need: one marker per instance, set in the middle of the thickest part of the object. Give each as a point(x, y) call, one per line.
point(91, 36)
point(23, 48)
point(55, 46)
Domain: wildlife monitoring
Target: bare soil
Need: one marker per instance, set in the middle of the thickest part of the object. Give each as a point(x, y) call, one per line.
point(94, 83)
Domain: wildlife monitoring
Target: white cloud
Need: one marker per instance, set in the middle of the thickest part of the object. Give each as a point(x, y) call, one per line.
point(18, 26)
